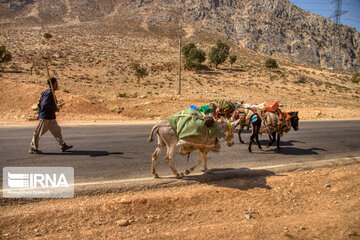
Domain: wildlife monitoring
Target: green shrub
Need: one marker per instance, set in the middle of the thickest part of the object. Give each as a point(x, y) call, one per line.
point(121, 95)
point(355, 78)
point(47, 35)
point(5, 55)
point(302, 79)
point(271, 63)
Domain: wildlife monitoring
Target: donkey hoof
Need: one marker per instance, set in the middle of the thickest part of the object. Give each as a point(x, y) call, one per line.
point(156, 175)
point(242, 142)
point(187, 172)
point(182, 175)
point(250, 150)
point(177, 176)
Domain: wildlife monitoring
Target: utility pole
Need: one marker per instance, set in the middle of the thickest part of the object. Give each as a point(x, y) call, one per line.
point(336, 16)
point(179, 87)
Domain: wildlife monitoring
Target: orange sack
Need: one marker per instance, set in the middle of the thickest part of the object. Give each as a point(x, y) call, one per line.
point(272, 106)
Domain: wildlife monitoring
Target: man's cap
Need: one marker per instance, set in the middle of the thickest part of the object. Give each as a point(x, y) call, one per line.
point(53, 80)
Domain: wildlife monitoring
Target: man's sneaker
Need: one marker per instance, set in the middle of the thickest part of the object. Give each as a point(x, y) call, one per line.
point(34, 151)
point(66, 147)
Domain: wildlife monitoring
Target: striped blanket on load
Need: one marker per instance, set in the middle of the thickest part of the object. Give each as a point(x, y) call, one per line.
point(272, 123)
point(225, 105)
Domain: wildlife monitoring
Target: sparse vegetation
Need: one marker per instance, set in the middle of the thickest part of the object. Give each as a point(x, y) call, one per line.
point(121, 95)
point(5, 55)
point(219, 54)
point(355, 78)
point(232, 60)
point(193, 57)
point(271, 63)
point(302, 79)
point(140, 72)
point(47, 35)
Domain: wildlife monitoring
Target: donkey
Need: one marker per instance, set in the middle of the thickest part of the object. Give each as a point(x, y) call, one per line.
point(243, 115)
point(292, 122)
point(167, 137)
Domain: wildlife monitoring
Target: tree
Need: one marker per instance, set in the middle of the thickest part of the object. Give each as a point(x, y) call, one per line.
point(219, 54)
point(5, 55)
point(193, 57)
point(232, 59)
point(271, 63)
point(185, 50)
point(140, 72)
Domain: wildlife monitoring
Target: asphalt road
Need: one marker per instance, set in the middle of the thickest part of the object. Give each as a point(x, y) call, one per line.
point(119, 152)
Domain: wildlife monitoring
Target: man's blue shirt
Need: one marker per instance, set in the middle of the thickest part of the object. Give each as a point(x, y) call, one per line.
point(47, 106)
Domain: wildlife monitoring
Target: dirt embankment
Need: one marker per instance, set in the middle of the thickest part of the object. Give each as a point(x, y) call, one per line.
point(313, 204)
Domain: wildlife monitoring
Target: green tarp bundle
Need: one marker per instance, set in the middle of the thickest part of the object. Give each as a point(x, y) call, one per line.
point(206, 109)
point(189, 122)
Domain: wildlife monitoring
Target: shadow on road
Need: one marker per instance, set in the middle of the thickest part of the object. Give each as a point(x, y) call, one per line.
point(297, 151)
point(86, 153)
point(240, 178)
point(282, 143)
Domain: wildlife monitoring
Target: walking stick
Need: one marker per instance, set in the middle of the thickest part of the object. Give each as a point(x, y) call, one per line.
point(51, 86)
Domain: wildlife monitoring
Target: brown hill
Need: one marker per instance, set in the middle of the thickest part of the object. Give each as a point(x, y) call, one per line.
point(92, 61)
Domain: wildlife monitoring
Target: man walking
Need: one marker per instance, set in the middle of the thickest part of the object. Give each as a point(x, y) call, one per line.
point(47, 108)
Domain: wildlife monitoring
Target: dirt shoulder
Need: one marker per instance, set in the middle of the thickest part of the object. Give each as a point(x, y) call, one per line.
point(323, 203)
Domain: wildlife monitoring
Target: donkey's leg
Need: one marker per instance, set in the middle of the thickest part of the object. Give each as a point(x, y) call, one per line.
point(239, 132)
point(155, 156)
point(188, 171)
point(272, 140)
point(204, 153)
point(168, 158)
point(278, 141)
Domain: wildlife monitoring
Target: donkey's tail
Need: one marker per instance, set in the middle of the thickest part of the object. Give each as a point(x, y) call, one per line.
point(153, 131)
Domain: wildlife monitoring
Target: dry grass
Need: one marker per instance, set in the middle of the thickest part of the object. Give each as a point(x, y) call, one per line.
point(93, 63)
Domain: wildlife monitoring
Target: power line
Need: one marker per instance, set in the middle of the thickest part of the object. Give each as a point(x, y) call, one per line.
point(338, 12)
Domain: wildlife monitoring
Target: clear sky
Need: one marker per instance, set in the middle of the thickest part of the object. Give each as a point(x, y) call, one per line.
point(322, 7)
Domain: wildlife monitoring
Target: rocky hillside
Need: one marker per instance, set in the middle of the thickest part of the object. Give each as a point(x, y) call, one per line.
point(273, 27)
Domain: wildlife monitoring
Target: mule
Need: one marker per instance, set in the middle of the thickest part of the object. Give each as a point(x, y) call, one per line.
point(292, 122)
point(167, 137)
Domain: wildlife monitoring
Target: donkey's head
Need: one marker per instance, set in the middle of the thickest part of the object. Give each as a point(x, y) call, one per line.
point(228, 128)
point(294, 120)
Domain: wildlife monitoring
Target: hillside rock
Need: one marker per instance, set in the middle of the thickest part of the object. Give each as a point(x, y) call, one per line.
point(273, 27)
